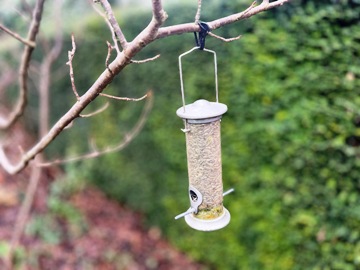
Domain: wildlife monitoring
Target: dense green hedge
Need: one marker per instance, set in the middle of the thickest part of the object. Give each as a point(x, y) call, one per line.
point(290, 138)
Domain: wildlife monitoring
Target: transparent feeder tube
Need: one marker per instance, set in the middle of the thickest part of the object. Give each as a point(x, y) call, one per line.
point(203, 147)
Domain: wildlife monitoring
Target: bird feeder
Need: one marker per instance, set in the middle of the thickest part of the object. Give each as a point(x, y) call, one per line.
point(203, 146)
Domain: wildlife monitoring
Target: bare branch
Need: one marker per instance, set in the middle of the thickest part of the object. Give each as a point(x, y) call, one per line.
point(121, 145)
point(24, 66)
point(71, 55)
point(250, 11)
point(126, 98)
point(103, 108)
point(30, 43)
point(150, 33)
point(44, 84)
point(103, 80)
point(198, 12)
point(158, 13)
point(114, 24)
point(35, 175)
point(146, 60)
point(110, 48)
point(191, 27)
point(224, 39)
point(113, 35)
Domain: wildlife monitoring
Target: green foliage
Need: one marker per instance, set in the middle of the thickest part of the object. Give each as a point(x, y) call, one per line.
point(49, 226)
point(19, 255)
point(290, 139)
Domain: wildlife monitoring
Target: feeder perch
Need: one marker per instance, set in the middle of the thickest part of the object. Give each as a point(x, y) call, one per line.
point(203, 146)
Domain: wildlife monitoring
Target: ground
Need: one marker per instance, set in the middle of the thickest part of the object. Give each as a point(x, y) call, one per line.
point(83, 230)
point(112, 237)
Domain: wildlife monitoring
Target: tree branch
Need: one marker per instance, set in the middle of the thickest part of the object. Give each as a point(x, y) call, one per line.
point(98, 111)
point(145, 60)
point(152, 32)
point(198, 12)
point(191, 27)
point(225, 39)
point(110, 149)
point(158, 13)
point(114, 24)
point(18, 37)
point(110, 48)
point(24, 66)
point(113, 35)
point(125, 98)
point(71, 55)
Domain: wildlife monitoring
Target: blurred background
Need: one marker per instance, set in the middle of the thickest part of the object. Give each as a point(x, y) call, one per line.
point(290, 138)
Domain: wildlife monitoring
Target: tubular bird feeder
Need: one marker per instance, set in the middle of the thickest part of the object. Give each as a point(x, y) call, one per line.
point(203, 146)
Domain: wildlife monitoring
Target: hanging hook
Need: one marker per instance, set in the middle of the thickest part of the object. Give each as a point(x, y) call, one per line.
point(204, 30)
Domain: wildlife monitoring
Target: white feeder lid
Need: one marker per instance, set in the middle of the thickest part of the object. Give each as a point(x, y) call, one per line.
point(201, 109)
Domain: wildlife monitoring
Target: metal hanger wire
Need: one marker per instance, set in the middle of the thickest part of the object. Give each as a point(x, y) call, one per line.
point(181, 74)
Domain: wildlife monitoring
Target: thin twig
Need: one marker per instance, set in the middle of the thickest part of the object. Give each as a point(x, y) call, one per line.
point(24, 66)
point(110, 48)
point(224, 39)
point(94, 153)
point(71, 55)
point(103, 108)
point(44, 84)
point(159, 13)
point(30, 43)
point(198, 12)
point(191, 27)
point(253, 4)
point(113, 35)
point(114, 24)
point(124, 98)
point(251, 10)
point(150, 32)
point(145, 60)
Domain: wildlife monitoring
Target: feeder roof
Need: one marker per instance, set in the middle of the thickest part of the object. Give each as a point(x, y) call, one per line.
point(202, 109)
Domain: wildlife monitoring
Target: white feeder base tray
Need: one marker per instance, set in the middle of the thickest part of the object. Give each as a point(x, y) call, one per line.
point(210, 224)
